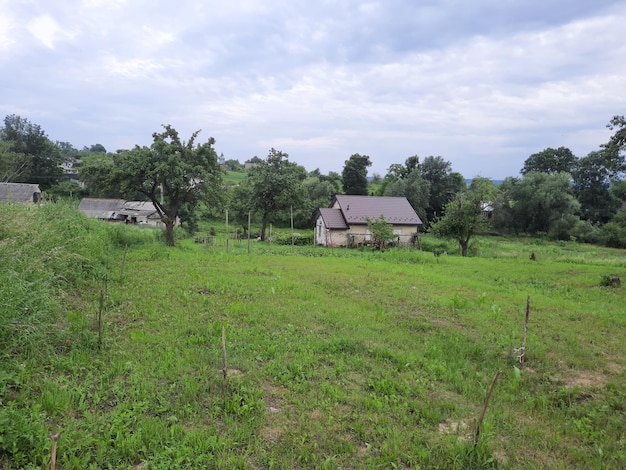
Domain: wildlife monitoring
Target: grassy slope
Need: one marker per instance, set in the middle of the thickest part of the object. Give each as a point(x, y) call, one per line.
point(339, 360)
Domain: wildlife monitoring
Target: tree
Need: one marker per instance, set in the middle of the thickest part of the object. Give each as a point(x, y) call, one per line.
point(381, 231)
point(444, 184)
point(96, 172)
point(537, 203)
point(462, 218)
point(354, 174)
point(616, 145)
point(30, 140)
point(170, 173)
point(592, 182)
point(233, 165)
point(14, 167)
point(272, 186)
point(550, 161)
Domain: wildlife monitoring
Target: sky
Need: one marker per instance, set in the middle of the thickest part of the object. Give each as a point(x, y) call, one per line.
point(482, 83)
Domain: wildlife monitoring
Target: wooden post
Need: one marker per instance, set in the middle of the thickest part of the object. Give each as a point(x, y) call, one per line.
point(225, 366)
point(484, 410)
point(227, 235)
point(53, 458)
point(522, 350)
point(248, 232)
point(291, 215)
point(124, 258)
point(100, 318)
point(270, 235)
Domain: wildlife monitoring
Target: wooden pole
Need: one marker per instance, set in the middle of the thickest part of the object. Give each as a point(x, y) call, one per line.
point(225, 366)
point(53, 458)
point(100, 318)
point(227, 235)
point(484, 410)
point(270, 235)
point(248, 232)
point(291, 215)
point(522, 356)
point(124, 259)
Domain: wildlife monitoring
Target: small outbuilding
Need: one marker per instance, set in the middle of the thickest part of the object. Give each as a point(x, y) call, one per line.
point(120, 210)
point(21, 193)
point(344, 223)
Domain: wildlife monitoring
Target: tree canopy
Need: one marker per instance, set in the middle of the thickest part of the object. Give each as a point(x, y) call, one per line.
point(550, 161)
point(170, 173)
point(354, 174)
point(462, 217)
point(272, 185)
point(28, 139)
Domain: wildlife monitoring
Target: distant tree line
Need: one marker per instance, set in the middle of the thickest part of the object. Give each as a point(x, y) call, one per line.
point(558, 195)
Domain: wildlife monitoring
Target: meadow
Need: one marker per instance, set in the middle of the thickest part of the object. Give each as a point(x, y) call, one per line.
point(251, 355)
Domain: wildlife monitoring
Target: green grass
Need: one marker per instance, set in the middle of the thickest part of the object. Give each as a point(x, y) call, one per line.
point(336, 358)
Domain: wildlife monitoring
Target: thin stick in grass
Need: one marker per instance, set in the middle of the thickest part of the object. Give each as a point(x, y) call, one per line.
point(100, 309)
point(225, 366)
point(53, 458)
point(521, 351)
point(484, 410)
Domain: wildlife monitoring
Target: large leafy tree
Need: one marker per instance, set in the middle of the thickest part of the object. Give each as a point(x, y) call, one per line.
point(171, 173)
point(550, 161)
point(30, 140)
point(616, 146)
point(354, 174)
point(462, 217)
point(444, 184)
point(537, 203)
point(407, 180)
point(593, 177)
point(14, 166)
point(272, 186)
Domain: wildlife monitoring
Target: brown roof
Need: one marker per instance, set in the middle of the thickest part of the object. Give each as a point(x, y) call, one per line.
point(333, 219)
point(395, 210)
point(19, 192)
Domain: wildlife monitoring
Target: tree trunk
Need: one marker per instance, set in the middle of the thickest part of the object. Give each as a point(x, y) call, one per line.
point(263, 227)
point(169, 231)
point(464, 244)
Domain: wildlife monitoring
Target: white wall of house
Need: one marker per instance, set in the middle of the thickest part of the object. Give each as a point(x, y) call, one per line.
point(358, 234)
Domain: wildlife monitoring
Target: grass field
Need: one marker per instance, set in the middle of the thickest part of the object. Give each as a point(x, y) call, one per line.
point(334, 358)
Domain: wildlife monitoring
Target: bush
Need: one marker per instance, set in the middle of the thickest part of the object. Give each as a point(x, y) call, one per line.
point(298, 239)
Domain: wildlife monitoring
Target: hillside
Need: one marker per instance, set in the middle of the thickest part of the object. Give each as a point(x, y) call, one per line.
point(304, 357)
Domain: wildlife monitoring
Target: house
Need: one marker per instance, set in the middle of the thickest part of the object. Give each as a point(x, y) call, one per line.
point(120, 210)
point(344, 223)
point(22, 193)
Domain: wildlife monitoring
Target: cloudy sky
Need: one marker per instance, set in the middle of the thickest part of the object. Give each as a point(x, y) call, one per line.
point(483, 83)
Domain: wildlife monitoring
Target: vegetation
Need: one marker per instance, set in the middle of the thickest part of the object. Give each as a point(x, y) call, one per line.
point(334, 358)
point(354, 174)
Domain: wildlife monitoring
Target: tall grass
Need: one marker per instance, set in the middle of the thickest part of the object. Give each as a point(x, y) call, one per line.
point(337, 358)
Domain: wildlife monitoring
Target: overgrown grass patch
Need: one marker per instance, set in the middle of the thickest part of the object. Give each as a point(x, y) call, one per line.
point(335, 358)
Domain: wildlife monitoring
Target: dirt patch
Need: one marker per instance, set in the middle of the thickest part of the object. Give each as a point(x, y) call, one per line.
point(582, 379)
point(457, 428)
point(271, 433)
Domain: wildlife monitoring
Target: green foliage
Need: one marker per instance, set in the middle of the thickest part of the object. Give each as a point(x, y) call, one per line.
point(298, 239)
point(381, 231)
point(29, 140)
point(537, 203)
point(171, 174)
point(462, 218)
point(592, 179)
point(550, 161)
point(354, 174)
point(272, 187)
point(444, 184)
point(336, 358)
